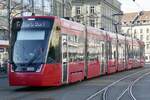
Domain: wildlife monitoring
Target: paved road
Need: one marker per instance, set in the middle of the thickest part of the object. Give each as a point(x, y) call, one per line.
point(141, 90)
point(77, 91)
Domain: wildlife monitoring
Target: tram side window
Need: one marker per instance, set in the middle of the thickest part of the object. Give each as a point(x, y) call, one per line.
point(119, 51)
point(130, 52)
point(99, 48)
point(113, 51)
point(124, 54)
point(92, 57)
point(72, 57)
point(114, 54)
point(73, 47)
point(142, 51)
point(103, 50)
point(134, 52)
point(139, 53)
point(75, 57)
point(92, 49)
point(54, 49)
point(110, 50)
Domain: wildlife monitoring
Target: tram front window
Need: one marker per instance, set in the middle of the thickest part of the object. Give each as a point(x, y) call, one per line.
point(29, 47)
point(29, 43)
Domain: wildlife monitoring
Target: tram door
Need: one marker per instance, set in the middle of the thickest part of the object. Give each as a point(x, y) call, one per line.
point(64, 59)
point(103, 58)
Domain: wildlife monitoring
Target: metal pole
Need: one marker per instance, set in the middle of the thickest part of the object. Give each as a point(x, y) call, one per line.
point(33, 11)
point(132, 24)
point(126, 54)
point(117, 54)
point(132, 42)
point(43, 13)
point(9, 19)
point(86, 44)
point(22, 7)
point(116, 29)
point(9, 23)
point(63, 2)
point(51, 7)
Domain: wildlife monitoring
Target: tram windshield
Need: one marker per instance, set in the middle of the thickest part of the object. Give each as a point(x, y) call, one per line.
point(30, 40)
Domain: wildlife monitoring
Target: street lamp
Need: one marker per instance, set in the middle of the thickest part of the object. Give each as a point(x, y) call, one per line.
point(132, 25)
point(9, 18)
point(116, 29)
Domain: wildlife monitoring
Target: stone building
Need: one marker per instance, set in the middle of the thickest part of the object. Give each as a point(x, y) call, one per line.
point(140, 30)
point(61, 8)
point(3, 33)
point(97, 13)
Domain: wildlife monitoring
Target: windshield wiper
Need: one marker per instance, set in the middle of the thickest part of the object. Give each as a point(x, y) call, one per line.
point(32, 59)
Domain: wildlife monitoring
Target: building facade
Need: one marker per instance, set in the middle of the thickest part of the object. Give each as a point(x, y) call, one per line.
point(61, 8)
point(4, 43)
point(140, 30)
point(97, 13)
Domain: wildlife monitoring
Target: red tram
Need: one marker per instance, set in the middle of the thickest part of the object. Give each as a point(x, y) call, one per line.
point(51, 51)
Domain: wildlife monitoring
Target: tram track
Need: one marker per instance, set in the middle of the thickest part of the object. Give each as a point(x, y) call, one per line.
point(132, 78)
point(133, 84)
point(130, 88)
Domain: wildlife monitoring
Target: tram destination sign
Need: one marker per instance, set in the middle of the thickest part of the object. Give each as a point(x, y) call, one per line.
point(32, 23)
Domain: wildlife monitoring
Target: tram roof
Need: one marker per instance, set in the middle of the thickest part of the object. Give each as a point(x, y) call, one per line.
point(71, 24)
point(35, 17)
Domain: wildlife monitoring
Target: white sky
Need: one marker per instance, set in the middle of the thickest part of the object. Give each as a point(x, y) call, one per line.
point(138, 5)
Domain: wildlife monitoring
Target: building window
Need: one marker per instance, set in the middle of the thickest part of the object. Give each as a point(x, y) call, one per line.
point(147, 46)
point(147, 30)
point(141, 37)
point(130, 21)
point(78, 10)
point(78, 20)
point(1, 6)
point(135, 31)
point(122, 31)
point(147, 38)
point(141, 30)
point(134, 35)
point(92, 9)
point(144, 21)
point(138, 21)
point(92, 22)
point(146, 57)
point(128, 31)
